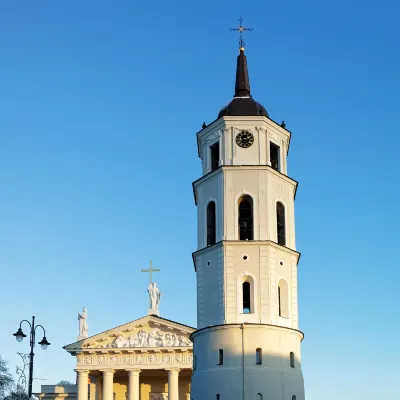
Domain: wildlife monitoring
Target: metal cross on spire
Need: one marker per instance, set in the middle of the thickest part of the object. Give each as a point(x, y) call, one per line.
point(150, 271)
point(241, 30)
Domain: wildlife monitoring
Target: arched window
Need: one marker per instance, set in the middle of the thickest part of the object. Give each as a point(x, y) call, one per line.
point(211, 234)
point(259, 396)
point(218, 397)
point(293, 397)
point(280, 223)
point(292, 359)
point(246, 218)
point(259, 356)
point(283, 299)
point(246, 297)
point(220, 357)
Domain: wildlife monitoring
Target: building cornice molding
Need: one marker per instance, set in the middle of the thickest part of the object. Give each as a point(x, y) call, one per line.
point(134, 350)
point(245, 326)
point(227, 168)
point(246, 243)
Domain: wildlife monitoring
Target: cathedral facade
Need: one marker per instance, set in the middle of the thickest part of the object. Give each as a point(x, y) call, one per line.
point(247, 343)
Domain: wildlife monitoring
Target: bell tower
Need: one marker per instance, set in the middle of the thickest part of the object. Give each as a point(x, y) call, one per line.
point(247, 345)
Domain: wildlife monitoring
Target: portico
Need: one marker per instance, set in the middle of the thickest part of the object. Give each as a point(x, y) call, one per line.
point(147, 359)
point(134, 384)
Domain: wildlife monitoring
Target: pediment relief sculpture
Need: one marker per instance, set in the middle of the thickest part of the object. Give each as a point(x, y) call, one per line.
point(142, 338)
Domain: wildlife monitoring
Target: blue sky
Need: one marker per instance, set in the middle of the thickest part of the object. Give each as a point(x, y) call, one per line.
point(100, 102)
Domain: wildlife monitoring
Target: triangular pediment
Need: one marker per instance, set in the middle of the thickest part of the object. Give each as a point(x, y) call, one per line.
point(147, 332)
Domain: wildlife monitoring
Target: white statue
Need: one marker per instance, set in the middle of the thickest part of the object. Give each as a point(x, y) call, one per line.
point(134, 340)
point(143, 338)
point(154, 294)
point(119, 341)
point(83, 326)
point(152, 339)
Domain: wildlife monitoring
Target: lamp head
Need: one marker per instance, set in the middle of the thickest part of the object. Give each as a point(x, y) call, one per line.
point(19, 335)
point(44, 344)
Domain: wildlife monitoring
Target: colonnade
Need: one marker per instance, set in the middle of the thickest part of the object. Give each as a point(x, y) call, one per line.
point(133, 384)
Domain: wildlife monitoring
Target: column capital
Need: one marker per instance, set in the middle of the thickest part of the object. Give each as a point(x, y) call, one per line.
point(109, 371)
point(173, 369)
point(133, 371)
point(82, 371)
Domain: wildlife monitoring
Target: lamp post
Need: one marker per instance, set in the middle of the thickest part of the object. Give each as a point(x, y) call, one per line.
point(19, 335)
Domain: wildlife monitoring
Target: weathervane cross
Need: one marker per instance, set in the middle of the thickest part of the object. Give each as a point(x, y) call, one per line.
point(150, 271)
point(241, 30)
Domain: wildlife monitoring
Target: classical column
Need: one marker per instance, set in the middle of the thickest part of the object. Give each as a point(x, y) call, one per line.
point(83, 384)
point(173, 384)
point(108, 380)
point(133, 386)
point(95, 387)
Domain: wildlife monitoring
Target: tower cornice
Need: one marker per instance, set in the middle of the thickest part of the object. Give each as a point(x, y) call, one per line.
point(246, 243)
point(244, 326)
point(227, 168)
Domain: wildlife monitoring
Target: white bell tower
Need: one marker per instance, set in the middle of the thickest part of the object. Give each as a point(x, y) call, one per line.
point(247, 345)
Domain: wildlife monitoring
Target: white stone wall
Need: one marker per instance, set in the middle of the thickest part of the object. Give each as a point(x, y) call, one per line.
point(222, 268)
point(220, 271)
point(245, 172)
point(240, 377)
point(226, 129)
point(210, 286)
point(210, 189)
point(226, 186)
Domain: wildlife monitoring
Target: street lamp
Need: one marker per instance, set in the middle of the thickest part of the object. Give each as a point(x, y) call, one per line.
point(19, 335)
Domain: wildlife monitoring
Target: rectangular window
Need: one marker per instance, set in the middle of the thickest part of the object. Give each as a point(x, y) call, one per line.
point(195, 362)
point(259, 356)
point(214, 154)
point(279, 301)
point(220, 357)
point(292, 359)
point(274, 156)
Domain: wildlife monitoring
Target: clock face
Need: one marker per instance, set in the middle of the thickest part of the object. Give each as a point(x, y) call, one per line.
point(244, 139)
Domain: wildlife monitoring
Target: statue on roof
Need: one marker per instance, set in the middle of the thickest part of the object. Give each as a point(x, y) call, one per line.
point(154, 297)
point(83, 326)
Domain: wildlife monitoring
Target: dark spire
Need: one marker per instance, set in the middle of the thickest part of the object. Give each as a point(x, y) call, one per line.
point(242, 86)
point(242, 104)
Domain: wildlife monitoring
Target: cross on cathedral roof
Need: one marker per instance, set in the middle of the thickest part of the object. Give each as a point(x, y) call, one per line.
point(150, 271)
point(241, 31)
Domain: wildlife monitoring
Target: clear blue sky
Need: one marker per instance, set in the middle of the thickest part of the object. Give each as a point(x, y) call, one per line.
point(99, 105)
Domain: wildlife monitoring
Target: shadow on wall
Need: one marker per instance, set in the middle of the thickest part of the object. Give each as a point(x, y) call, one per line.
point(255, 375)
